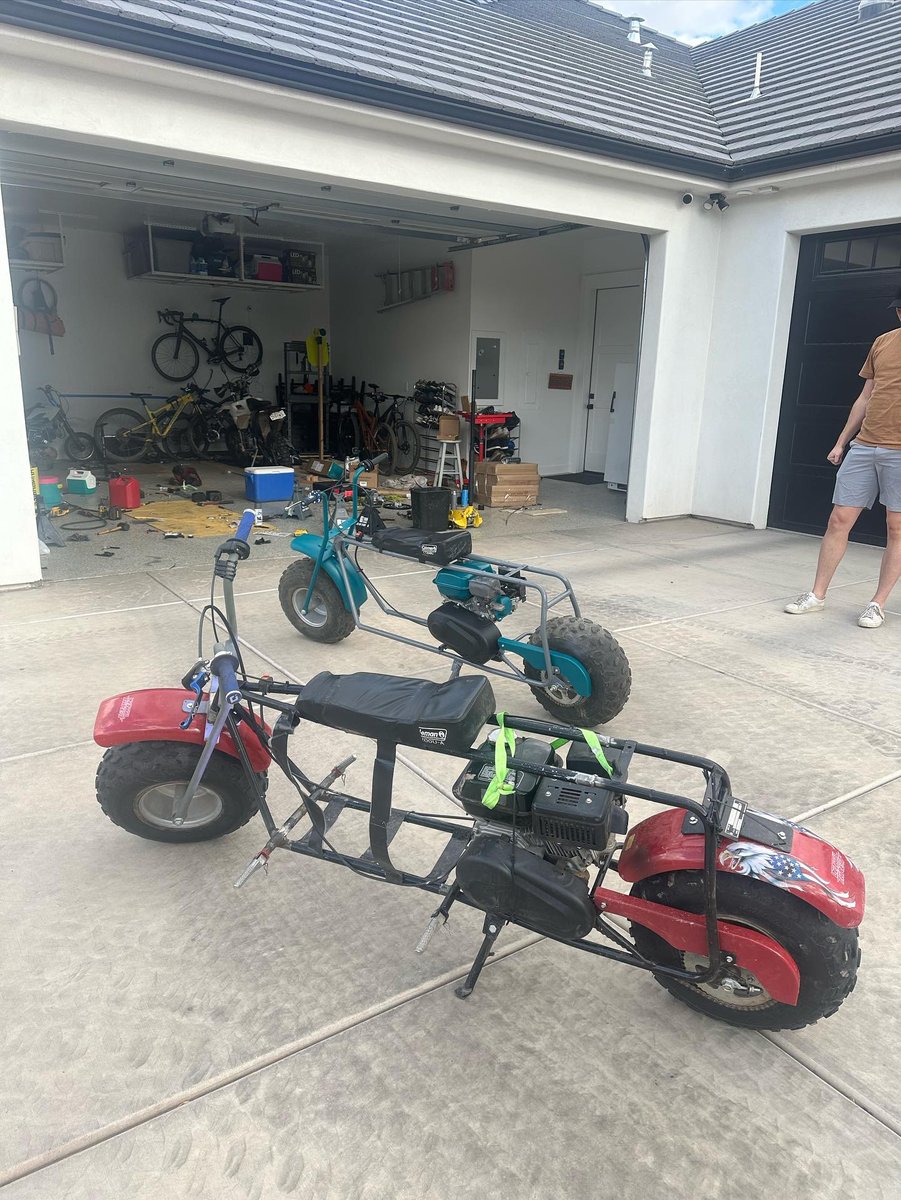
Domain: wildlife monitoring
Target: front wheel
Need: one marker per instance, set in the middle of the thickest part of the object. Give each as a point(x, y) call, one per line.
point(603, 658)
point(175, 357)
point(80, 447)
point(327, 618)
point(826, 955)
point(139, 782)
point(409, 445)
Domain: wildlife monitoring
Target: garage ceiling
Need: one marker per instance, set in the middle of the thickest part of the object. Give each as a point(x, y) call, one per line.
point(123, 182)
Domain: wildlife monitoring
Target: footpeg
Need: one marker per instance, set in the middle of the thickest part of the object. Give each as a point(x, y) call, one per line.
point(435, 922)
point(261, 860)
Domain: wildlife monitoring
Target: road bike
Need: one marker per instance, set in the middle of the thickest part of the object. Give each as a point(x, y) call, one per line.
point(176, 355)
point(743, 916)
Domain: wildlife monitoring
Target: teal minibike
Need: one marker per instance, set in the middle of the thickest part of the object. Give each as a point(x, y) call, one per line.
point(576, 669)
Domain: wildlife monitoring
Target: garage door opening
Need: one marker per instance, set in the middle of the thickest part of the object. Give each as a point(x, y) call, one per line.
point(409, 291)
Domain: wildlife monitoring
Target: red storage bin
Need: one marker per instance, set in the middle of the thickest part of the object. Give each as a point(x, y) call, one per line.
point(272, 272)
point(124, 492)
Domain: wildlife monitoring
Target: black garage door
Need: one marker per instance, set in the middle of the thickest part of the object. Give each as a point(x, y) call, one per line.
point(845, 281)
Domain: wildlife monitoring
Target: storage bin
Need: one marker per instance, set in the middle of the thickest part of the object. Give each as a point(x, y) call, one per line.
point(269, 483)
point(431, 508)
point(170, 254)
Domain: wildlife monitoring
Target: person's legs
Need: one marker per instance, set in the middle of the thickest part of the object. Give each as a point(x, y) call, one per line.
point(834, 545)
point(890, 568)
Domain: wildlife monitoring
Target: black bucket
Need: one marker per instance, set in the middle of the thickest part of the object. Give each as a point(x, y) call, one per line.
point(431, 508)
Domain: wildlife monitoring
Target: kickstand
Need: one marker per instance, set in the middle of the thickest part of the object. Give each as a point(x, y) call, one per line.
point(491, 929)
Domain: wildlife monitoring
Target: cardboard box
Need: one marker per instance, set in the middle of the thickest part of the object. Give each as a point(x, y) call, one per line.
point(508, 472)
point(506, 493)
point(369, 479)
point(449, 428)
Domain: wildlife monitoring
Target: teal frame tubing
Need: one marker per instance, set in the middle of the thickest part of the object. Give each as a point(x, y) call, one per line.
point(329, 553)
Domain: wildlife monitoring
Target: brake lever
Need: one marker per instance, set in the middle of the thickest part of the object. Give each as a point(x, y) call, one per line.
point(196, 684)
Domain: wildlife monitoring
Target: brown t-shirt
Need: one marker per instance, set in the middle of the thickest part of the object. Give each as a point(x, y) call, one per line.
point(882, 424)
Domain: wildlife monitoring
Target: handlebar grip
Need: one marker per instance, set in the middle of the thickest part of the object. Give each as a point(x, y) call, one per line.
point(246, 525)
point(224, 664)
point(379, 458)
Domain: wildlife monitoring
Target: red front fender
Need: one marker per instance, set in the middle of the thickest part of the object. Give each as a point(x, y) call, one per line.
point(155, 714)
point(814, 870)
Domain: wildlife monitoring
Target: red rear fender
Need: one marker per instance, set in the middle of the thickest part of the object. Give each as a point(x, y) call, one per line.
point(155, 714)
point(813, 869)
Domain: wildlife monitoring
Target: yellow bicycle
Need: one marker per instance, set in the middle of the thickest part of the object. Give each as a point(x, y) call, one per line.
point(122, 435)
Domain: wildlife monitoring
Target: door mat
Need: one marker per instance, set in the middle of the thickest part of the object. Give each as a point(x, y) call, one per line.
point(184, 516)
point(580, 477)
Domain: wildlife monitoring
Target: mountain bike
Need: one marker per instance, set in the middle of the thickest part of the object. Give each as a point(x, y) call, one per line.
point(361, 432)
point(176, 356)
point(406, 435)
point(122, 435)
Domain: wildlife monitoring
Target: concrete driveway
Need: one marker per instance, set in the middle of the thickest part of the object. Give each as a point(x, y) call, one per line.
point(166, 1036)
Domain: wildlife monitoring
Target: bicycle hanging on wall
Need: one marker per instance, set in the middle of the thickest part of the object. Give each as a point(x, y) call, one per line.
point(176, 355)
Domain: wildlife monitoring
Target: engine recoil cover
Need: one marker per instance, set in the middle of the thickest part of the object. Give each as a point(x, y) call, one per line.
point(521, 886)
point(473, 637)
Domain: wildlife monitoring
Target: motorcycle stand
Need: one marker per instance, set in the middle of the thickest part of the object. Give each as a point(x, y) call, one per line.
point(491, 929)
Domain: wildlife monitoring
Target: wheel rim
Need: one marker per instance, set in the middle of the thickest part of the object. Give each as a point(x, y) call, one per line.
point(173, 364)
point(564, 694)
point(154, 805)
point(316, 615)
point(740, 988)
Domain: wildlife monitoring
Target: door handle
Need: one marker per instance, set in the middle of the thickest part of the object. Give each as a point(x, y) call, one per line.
point(612, 401)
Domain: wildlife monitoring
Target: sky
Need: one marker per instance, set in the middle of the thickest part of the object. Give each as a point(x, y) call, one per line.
point(695, 20)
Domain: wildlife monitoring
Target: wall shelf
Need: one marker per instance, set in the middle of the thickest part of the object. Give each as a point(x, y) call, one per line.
point(36, 244)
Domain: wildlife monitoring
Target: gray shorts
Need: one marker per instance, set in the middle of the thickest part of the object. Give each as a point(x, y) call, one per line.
point(869, 473)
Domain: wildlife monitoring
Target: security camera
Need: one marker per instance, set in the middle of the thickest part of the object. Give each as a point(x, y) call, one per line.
point(687, 198)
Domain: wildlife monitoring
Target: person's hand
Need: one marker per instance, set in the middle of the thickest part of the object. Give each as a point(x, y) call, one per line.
point(835, 454)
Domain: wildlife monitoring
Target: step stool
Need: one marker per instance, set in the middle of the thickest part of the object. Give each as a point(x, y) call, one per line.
point(455, 466)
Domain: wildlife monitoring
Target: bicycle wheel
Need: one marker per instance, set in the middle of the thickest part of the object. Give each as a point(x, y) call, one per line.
point(122, 435)
point(175, 357)
point(409, 445)
point(180, 441)
point(239, 348)
point(384, 443)
point(80, 447)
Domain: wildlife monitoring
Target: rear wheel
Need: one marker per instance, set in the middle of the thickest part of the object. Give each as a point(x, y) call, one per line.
point(122, 435)
point(138, 784)
point(240, 348)
point(384, 443)
point(175, 357)
point(80, 447)
point(327, 618)
point(826, 955)
point(409, 445)
point(280, 450)
point(348, 435)
point(603, 658)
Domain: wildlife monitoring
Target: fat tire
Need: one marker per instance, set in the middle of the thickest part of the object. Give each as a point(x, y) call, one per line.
point(119, 455)
point(249, 346)
point(125, 769)
point(604, 659)
point(187, 347)
point(339, 623)
point(827, 955)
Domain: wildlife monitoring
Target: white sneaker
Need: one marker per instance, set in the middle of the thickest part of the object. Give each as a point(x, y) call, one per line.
point(871, 617)
point(805, 603)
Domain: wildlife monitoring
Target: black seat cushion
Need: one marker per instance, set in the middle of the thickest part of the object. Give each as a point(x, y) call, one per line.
point(409, 712)
point(439, 548)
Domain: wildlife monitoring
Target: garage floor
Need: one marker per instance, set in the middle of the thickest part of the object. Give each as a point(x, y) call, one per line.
point(168, 1036)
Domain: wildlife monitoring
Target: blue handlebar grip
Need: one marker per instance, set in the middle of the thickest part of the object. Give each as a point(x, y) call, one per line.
point(246, 525)
point(228, 680)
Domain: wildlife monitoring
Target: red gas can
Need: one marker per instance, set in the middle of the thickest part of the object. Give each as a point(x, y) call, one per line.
point(124, 492)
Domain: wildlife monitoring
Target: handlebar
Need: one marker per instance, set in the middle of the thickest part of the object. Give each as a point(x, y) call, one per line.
point(224, 664)
point(245, 525)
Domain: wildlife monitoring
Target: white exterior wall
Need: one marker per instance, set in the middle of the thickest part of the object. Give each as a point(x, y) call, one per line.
point(754, 290)
point(111, 324)
point(20, 562)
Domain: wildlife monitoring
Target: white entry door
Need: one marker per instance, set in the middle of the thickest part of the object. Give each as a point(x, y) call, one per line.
point(614, 359)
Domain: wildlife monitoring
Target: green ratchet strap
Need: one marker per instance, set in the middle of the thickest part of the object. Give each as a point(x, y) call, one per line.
point(498, 786)
point(592, 741)
point(507, 743)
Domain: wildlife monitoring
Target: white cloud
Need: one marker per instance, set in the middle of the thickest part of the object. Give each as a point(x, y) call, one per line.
point(694, 21)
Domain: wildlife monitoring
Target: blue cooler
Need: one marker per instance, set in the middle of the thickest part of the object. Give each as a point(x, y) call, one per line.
point(269, 483)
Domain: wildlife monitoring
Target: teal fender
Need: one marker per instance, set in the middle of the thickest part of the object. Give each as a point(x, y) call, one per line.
point(310, 544)
point(570, 668)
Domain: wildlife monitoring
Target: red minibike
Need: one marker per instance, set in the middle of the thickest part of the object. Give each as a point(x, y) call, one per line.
point(744, 916)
